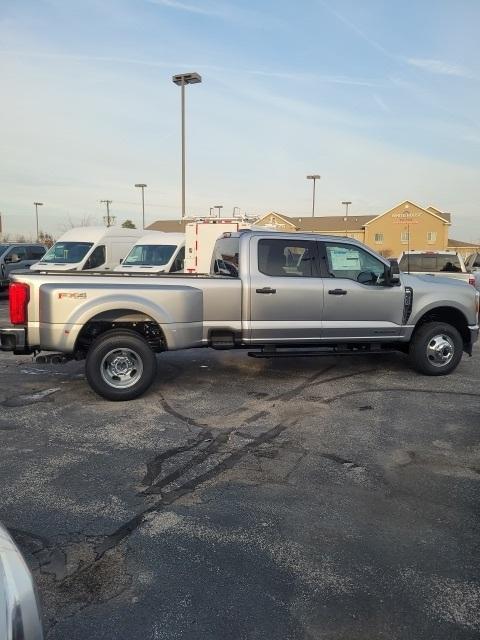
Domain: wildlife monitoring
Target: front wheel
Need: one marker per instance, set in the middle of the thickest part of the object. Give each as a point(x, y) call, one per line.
point(120, 365)
point(436, 349)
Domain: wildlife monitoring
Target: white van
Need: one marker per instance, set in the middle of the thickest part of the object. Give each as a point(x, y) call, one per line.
point(86, 248)
point(156, 252)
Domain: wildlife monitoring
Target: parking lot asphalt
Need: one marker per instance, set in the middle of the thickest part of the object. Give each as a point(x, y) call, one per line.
point(247, 499)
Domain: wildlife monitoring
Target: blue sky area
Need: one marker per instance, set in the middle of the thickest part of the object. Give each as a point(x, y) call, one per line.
point(381, 98)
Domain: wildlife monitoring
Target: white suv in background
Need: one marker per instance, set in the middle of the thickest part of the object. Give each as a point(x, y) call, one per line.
point(448, 264)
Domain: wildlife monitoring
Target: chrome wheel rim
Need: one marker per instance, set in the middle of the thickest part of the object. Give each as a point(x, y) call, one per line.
point(121, 368)
point(440, 350)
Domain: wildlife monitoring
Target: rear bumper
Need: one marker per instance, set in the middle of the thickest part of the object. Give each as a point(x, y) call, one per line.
point(14, 339)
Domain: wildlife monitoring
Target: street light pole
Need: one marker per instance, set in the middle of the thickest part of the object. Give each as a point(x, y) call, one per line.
point(108, 218)
point(219, 207)
point(142, 187)
point(314, 178)
point(347, 204)
point(181, 80)
point(37, 204)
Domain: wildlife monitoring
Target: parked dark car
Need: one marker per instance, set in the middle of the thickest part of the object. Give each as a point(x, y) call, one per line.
point(15, 256)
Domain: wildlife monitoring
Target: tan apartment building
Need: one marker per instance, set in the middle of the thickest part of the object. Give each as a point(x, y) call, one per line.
point(406, 226)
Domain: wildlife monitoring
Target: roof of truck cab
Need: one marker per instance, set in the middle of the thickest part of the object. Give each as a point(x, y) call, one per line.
point(259, 231)
point(95, 234)
point(161, 237)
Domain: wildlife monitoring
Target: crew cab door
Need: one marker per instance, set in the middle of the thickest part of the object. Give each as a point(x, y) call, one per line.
point(358, 303)
point(286, 291)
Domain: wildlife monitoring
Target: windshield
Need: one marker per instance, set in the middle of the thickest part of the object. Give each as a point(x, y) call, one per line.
point(150, 255)
point(67, 252)
point(428, 263)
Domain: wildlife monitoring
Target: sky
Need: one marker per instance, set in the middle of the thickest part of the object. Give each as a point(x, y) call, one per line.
point(380, 98)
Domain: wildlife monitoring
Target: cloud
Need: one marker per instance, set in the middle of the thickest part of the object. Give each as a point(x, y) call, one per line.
point(381, 103)
point(189, 8)
point(353, 27)
point(172, 64)
point(439, 67)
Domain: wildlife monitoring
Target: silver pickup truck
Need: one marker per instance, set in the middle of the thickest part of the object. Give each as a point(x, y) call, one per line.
point(273, 293)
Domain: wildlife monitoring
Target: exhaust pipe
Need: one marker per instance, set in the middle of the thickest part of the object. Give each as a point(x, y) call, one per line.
point(52, 358)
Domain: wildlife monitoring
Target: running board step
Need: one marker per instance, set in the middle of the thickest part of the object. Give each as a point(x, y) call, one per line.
point(298, 353)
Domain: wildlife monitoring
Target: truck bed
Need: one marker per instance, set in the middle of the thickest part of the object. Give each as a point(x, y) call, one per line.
point(70, 299)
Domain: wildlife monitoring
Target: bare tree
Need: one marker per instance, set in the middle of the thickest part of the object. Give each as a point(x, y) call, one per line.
point(46, 238)
point(85, 221)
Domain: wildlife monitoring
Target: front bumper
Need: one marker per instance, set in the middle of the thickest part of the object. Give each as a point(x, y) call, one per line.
point(14, 339)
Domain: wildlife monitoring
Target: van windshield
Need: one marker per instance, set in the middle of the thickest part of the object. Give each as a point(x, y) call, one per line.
point(156, 255)
point(429, 262)
point(67, 252)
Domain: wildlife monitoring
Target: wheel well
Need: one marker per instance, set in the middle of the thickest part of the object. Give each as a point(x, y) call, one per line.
point(449, 315)
point(136, 321)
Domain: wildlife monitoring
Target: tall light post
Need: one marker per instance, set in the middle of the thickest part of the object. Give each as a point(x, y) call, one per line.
point(142, 187)
point(219, 207)
point(109, 220)
point(211, 209)
point(37, 204)
point(347, 204)
point(234, 211)
point(181, 80)
point(314, 177)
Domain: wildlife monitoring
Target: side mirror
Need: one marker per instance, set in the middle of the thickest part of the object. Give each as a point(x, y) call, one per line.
point(120, 261)
point(395, 269)
point(392, 273)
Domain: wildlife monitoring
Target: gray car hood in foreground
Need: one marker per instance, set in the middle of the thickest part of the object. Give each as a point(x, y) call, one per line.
point(19, 611)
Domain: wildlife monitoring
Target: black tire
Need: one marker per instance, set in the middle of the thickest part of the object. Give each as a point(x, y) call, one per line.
point(432, 343)
point(112, 353)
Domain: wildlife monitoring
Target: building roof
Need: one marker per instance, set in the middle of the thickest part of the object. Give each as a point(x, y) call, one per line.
point(461, 243)
point(440, 214)
point(177, 225)
point(331, 223)
point(322, 223)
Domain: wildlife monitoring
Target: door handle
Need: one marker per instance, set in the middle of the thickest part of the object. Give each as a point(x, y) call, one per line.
point(337, 292)
point(266, 290)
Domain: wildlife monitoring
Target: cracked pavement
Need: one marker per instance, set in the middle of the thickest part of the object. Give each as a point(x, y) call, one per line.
point(241, 498)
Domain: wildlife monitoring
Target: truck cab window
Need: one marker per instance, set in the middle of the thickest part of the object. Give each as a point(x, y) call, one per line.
point(35, 253)
point(354, 263)
point(96, 259)
point(179, 262)
point(287, 258)
point(225, 257)
point(20, 252)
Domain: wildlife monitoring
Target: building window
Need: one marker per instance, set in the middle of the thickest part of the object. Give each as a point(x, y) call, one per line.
point(404, 237)
point(431, 237)
point(379, 238)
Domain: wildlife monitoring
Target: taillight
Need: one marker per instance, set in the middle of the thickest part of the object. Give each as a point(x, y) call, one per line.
point(19, 295)
point(471, 280)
